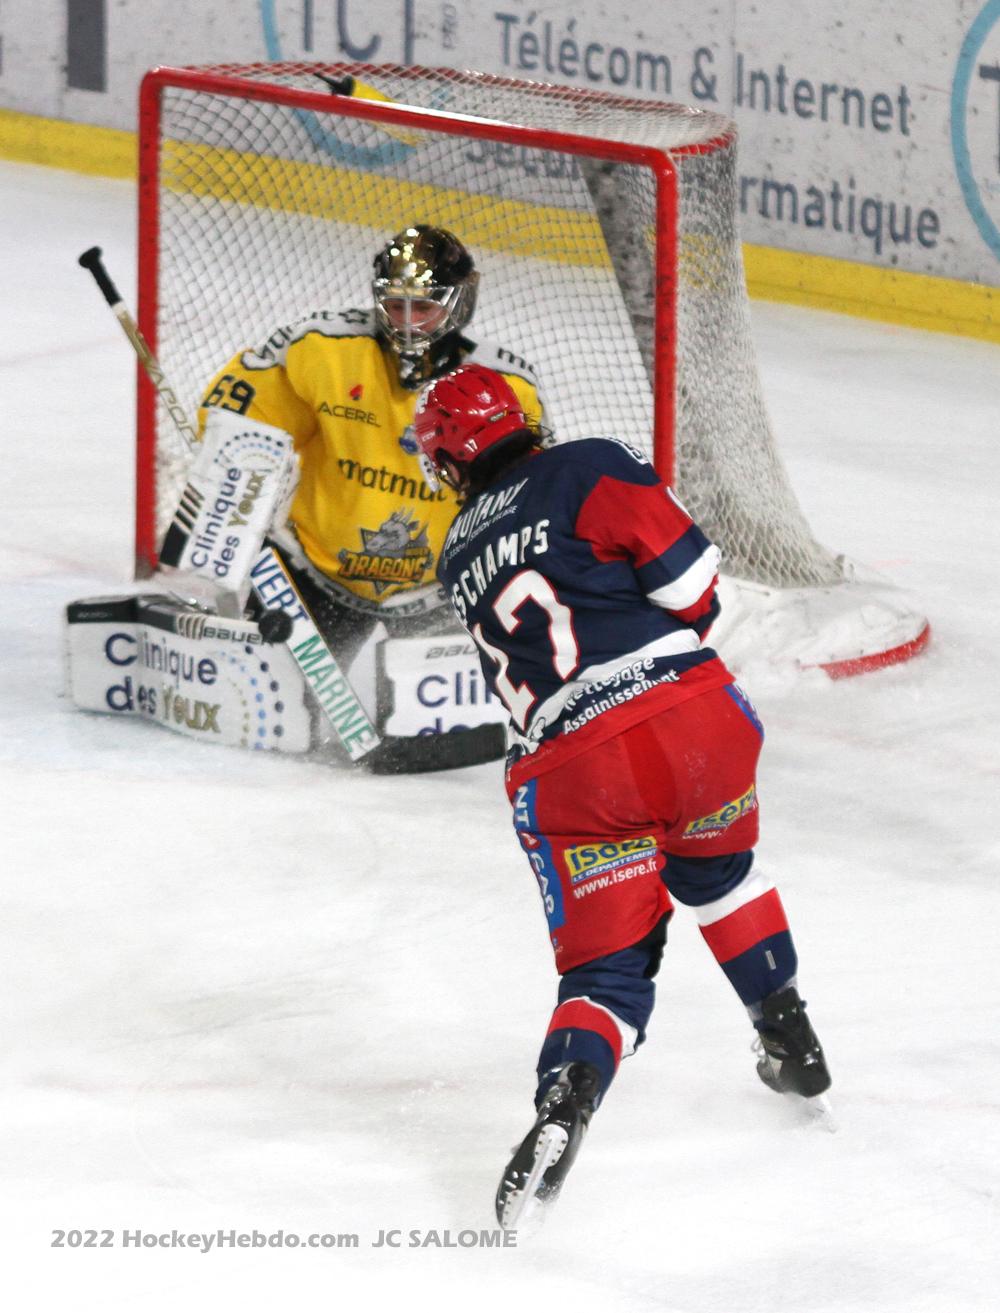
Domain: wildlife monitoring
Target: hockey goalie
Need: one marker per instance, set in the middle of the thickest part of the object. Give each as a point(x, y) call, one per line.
point(298, 572)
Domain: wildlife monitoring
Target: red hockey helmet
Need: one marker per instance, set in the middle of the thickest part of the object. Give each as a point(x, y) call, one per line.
point(463, 414)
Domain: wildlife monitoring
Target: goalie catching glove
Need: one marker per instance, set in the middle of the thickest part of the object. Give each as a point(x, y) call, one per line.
point(239, 487)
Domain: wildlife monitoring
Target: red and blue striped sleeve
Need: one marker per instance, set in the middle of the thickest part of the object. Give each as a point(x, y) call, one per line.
point(643, 522)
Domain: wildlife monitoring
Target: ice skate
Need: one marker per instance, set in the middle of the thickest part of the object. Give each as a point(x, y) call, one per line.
point(789, 1057)
point(534, 1176)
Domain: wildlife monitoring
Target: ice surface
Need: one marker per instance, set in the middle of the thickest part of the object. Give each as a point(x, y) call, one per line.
point(249, 993)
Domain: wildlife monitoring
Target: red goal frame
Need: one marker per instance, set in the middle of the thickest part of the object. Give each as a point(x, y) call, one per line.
point(219, 81)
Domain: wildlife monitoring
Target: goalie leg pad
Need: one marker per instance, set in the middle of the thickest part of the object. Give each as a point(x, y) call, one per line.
point(434, 708)
point(207, 678)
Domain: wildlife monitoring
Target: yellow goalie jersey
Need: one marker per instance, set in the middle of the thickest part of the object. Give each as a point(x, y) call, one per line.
point(363, 512)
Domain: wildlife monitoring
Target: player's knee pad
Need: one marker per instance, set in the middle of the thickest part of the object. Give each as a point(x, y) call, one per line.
point(622, 982)
point(695, 881)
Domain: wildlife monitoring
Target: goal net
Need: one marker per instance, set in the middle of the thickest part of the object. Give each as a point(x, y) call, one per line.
point(604, 230)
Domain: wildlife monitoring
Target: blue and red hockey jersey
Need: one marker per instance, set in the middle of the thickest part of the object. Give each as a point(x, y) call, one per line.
point(588, 590)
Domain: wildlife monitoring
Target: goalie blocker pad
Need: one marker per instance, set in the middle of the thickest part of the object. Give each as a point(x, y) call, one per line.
point(240, 484)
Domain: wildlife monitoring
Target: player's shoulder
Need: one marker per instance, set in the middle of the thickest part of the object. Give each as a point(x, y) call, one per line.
point(600, 457)
point(494, 355)
point(319, 326)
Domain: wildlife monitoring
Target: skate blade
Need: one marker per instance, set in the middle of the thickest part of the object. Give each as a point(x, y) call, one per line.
point(523, 1210)
point(818, 1112)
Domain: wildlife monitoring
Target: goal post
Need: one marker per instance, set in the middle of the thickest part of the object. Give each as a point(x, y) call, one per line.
point(605, 232)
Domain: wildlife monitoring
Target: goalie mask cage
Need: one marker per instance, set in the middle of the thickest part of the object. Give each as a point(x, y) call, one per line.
point(604, 230)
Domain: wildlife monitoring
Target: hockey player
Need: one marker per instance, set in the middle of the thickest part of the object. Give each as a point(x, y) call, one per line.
point(365, 531)
point(632, 761)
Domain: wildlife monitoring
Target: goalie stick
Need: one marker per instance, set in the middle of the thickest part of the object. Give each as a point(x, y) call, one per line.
point(304, 641)
point(92, 260)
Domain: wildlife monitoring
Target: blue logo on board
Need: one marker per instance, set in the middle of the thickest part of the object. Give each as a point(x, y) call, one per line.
point(975, 123)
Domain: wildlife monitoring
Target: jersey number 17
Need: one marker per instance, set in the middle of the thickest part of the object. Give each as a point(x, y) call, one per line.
point(529, 586)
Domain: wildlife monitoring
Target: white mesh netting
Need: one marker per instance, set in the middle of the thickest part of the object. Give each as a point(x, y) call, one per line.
point(267, 212)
